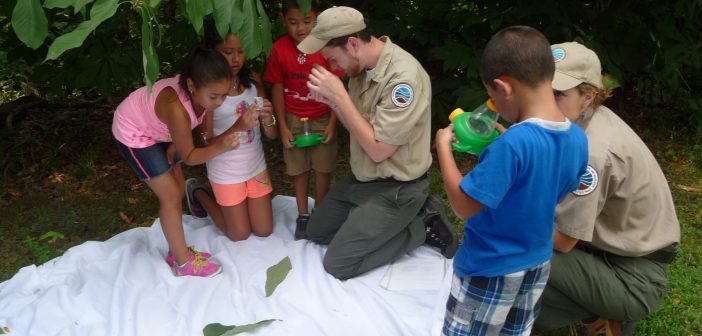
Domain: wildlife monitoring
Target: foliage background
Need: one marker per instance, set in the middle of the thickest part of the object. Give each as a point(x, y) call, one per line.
point(63, 183)
point(651, 48)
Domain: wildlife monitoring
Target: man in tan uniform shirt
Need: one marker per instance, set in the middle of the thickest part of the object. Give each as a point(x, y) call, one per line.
point(382, 211)
point(616, 235)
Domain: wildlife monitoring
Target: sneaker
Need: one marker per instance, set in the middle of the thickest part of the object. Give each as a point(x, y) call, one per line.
point(629, 328)
point(602, 327)
point(196, 209)
point(198, 266)
point(170, 258)
point(440, 232)
point(301, 227)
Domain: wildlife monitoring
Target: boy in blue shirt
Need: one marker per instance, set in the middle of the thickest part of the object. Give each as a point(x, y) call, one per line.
point(510, 196)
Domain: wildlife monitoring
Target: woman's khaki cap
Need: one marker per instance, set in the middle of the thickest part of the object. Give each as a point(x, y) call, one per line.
point(575, 64)
point(332, 23)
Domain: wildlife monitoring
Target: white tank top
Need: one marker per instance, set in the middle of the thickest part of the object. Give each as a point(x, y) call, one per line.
point(247, 160)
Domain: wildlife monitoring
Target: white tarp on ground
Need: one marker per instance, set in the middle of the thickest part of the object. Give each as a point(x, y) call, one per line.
point(122, 286)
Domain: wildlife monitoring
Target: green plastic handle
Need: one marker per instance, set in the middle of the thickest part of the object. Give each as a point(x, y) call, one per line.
point(461, 148)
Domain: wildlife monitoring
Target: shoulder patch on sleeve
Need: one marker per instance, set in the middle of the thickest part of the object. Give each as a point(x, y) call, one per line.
point(402, 95)
point(588, 182)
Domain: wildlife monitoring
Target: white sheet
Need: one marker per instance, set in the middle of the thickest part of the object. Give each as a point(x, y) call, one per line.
point(123, 286)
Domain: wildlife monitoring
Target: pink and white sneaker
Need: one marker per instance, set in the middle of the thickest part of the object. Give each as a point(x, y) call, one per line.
point(197, 266)
point(170, 258)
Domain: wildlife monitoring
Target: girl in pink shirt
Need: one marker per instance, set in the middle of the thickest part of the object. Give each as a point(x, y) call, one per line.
point(242, 187)
point(153, 132)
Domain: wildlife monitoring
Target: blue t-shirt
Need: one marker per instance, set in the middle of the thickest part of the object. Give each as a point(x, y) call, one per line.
point(519, 178)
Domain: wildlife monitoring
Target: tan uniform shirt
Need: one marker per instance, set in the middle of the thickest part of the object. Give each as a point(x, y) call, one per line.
point(624, 205)
point(397, 103)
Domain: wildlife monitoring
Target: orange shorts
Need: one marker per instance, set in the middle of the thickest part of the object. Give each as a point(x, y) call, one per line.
point(233, 194)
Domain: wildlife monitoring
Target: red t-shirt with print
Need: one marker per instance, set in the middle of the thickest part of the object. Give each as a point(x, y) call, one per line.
point(292, 68)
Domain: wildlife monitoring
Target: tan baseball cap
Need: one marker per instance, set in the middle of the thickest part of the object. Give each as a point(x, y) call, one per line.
point(332, 23)
point(575, 64)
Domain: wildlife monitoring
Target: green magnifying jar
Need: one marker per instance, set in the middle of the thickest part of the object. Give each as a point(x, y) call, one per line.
point(474, 130)
point(307, 139)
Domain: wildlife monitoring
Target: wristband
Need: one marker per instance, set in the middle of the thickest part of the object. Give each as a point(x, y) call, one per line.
point(273, 122)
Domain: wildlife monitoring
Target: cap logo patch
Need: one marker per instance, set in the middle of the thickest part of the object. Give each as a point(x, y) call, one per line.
point(402, 95)
point(558, 54)
point(588, 182)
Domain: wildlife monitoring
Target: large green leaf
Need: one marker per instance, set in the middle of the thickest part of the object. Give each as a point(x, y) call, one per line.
point(216, 329)
point(79, 5)
point(266, 29)
point(222, 12)
point(276, 274)
point(58, 3)
point(196, 11)
point(237, 14)
point(101, 11)
point(249, 34)
point(29, 23)
point(305, 5)
point(149, 55)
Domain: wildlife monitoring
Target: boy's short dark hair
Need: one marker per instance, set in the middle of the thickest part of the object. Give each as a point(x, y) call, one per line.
point(364, 35)
point(292, 4)
point(520, 52)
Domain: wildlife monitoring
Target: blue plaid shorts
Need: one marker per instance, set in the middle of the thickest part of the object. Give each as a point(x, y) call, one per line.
point(505, 305)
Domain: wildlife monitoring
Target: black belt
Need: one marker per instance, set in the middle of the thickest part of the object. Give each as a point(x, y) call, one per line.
point(665, 255)
point(392, 179)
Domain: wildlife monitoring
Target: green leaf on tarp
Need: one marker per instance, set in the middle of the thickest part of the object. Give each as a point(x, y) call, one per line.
point(4, 330)
point(29, 23)
point(101, 11)
point(276, 274)
point(216, 329)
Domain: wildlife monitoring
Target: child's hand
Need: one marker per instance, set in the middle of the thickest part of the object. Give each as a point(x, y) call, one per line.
point(246, 120)
point(266, 112)
point(500, 128)
point(170, 153)
point(330, 133)
point(229, 142)
point(445, 136)
point(285, 137)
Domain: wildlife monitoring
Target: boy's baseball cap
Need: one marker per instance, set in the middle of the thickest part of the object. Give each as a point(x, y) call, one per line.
point(575, 64)
point(332, 23)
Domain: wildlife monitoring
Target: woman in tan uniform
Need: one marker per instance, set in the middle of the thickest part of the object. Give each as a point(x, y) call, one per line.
point(616, 235)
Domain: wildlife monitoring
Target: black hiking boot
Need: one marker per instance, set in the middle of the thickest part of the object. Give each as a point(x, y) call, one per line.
point(301, 227)
point(440, 233)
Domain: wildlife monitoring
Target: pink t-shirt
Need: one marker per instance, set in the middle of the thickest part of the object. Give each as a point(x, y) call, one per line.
point(135, 123)
point(292, 68)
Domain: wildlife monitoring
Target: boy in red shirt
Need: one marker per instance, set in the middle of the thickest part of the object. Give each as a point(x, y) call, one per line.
point(288, 70)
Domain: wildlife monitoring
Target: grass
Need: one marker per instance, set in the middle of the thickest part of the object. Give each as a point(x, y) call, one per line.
point(64, 184)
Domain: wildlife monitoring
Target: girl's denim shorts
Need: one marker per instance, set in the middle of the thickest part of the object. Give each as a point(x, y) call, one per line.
point(149, 162)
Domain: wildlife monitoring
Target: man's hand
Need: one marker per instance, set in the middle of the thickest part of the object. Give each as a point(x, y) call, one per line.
point(325, 87)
